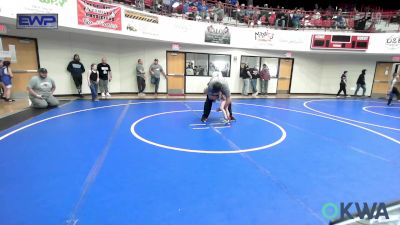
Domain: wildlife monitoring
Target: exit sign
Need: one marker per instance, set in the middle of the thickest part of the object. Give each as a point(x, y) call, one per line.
point(396, 58)
point(175, 47)
point(3, 29)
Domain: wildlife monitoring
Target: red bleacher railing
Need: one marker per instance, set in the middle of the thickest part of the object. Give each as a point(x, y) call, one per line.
point(239, 15)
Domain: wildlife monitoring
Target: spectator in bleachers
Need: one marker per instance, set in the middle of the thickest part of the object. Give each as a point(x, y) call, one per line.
point(139, 4)
point(234, 12)
point(249, 15)
point(257, 14)
point(329, 17)
point(185, 8)
point(313, 20)
point(340, 21)
point(359, 24)
point(241, 13)
point(155, 6)
point(202, 10)
point(218, 12)
point(167, 6)
point(265, 13)
point(395, 18)
point(249, 11)
point(280, 19)
point(297, 16)
point(316, 15)
point(192, 12)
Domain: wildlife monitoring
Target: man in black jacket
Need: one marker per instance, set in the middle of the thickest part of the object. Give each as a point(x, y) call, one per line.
point(215, 87)
point(76, 68)
point(361, 82)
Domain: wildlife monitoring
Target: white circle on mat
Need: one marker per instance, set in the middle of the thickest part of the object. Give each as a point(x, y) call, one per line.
point(366, 109)
point(138, 136)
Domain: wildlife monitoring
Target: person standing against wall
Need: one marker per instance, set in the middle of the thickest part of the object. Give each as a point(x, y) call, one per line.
point(2, 88)
point(254, 78)
point(264, 78)
point(7, 76)
point(76, 68)
point(245, 75)
point(93, 81)
point(105, 76)
point(155, 71)
point(393, 89)
point(141, 81)
point(343, 84)
point(361, 82)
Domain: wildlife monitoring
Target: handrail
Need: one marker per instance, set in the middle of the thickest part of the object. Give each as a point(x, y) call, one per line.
point(295, 19)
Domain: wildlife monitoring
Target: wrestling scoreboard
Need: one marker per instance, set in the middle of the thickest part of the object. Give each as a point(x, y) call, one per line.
point(340, 42)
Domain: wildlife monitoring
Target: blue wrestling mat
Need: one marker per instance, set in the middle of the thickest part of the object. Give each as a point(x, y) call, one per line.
point(123, 162)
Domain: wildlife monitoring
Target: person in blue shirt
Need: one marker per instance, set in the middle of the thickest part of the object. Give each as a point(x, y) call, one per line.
point(6, 78)
point(296, 19)
point(2, 88)
point(186, 7)
point(202, 10)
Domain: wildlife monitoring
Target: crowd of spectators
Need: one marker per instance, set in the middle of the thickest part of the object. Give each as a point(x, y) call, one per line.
point(231, 11)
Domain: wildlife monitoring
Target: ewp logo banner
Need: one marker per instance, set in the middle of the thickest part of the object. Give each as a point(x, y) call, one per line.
point(37, 21)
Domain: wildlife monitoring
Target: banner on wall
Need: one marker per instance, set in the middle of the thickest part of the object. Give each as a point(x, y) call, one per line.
point(141, 23)
point(99, 15)
point(36, 21)
point(264, 36)
point(218, 34)
point(393, 42)
point(140, 16)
